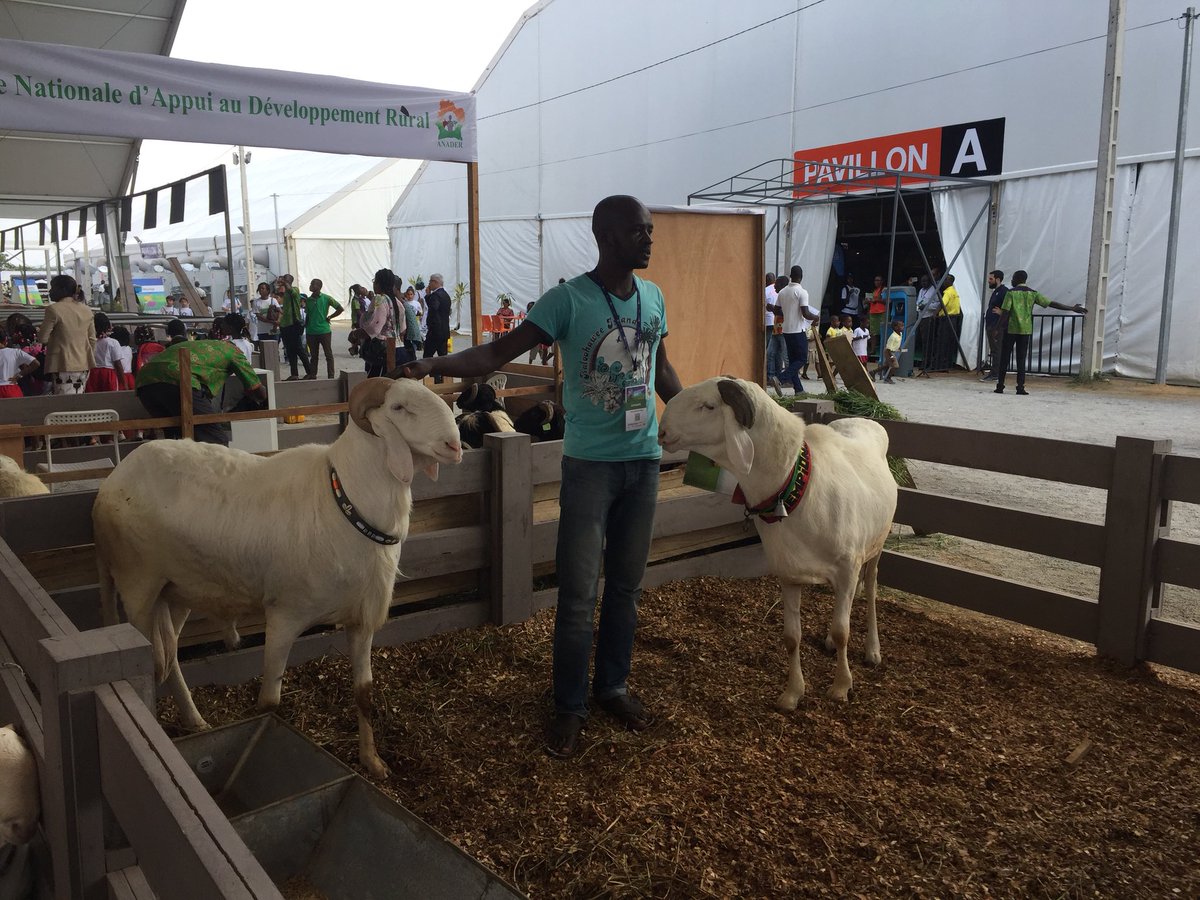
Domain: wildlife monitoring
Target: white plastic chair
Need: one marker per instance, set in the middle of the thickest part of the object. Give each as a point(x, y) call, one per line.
point(83, 417)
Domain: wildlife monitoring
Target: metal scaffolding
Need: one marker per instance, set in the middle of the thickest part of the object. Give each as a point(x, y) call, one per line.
point(773, 183)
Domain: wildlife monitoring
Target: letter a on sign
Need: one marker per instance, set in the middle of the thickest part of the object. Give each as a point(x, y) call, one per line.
point(973, 149)
point(969, 152)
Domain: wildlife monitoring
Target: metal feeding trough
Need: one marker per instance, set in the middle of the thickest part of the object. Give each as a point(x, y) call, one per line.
point(318, 829)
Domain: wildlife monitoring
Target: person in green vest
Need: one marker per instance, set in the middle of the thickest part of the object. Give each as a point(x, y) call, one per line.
point(317, 327)
point(291, 327)
point(1016, 324)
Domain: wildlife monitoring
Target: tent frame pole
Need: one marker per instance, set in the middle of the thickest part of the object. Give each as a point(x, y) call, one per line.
point(474, 284)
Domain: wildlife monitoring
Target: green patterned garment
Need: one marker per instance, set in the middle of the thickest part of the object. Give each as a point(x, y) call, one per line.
point(212, 363)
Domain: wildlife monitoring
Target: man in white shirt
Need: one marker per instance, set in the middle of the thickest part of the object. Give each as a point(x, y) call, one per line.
point(776, 351)
point(185, 308)
point(797, 314)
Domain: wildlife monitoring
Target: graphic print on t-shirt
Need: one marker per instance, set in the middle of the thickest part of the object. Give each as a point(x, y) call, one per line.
point(605, 369)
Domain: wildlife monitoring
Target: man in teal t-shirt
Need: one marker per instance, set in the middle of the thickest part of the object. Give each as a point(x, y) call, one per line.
point(316, 325)
point(609, 325)
point(1016, 324)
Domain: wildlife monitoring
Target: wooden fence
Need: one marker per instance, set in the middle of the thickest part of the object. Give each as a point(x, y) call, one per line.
point(482, 536)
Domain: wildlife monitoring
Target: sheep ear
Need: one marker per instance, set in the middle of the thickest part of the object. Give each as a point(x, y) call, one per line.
point(366, 396)
point(735, 397)
point(399, 456)
point(738, 446)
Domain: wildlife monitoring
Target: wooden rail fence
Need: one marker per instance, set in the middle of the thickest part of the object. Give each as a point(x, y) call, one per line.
point(124, 817)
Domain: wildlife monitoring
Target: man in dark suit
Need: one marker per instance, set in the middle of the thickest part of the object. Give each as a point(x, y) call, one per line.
point(437, 317)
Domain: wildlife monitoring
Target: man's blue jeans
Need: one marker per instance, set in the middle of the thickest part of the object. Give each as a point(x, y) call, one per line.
point(606, 514)
point(797, 351)
point(776, 354)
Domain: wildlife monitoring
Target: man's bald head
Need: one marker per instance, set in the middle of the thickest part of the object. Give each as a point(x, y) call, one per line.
point(622, 227)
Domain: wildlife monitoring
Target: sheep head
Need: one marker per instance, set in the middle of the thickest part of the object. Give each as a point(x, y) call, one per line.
point(414, 423)
point(19, 797)
point(714, 418)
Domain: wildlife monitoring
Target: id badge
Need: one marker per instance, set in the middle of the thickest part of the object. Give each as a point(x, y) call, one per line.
point(637, 412)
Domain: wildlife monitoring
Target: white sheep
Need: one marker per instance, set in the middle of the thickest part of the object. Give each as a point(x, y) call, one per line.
point(834, 535)
point(19, 798)
point(182, 525)
point(16, 482)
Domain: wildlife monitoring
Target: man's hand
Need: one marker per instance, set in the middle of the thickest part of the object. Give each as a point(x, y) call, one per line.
point(1080, 308)
point(418, 369)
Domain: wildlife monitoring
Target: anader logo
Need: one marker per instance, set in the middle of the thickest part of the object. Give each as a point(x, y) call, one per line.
point(969, 150)
point(450, 124)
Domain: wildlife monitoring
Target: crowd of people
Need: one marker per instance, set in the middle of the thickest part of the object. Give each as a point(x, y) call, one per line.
point(791, 322)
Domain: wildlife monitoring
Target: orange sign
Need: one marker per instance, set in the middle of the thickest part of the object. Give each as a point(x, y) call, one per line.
point(971, 149)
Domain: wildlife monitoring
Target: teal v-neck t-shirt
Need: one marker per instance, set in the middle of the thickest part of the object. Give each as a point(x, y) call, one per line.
point(597, 368)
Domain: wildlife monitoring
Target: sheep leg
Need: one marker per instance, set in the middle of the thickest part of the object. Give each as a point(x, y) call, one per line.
point(871, 575)
point(839, 629)
point(281, 634)
point(359, 639)
point(794, 692)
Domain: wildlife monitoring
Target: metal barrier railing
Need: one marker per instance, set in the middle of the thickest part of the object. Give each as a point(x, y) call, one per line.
point(1056, 345)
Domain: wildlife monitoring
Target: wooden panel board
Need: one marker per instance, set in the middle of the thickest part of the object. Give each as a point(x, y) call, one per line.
point(1007, 527)
point(1177, 562)
point(1181, 478)
point(1065, 614)
point(851, 370)
point(1173, 644)
point(709, 266)
point(1015, 454)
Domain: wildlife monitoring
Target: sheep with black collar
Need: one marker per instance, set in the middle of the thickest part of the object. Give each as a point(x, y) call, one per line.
point(182, 526)
point(834, 478)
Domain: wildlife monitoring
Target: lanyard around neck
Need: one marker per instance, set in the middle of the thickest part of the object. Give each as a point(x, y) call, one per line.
point(637, 335)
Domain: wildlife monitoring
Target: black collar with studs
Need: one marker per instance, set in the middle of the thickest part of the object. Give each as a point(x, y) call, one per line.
point(348, 510)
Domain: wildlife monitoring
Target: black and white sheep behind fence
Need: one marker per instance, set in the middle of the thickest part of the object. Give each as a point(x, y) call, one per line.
point(83, 697)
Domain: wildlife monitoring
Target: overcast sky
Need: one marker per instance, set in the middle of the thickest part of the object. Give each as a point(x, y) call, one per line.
point(437, 44)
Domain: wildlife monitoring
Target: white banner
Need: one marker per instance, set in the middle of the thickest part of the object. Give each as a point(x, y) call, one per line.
point(78, 90)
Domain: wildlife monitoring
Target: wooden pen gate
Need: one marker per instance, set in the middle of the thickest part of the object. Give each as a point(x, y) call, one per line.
point(482, 536)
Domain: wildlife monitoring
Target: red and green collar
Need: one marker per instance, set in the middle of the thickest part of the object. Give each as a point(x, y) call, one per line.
point(784, 501)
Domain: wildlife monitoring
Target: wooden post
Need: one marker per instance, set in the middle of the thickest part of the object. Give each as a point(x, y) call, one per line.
point(270, 357)
point(475, 285)
point(511, 502)
point(187, 428)
point(1131, 529)
point(70, 667)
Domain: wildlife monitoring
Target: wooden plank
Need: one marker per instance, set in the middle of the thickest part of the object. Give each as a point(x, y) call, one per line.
point(1173, 644)
point(33, 410)
point(186, 414)
point(854, 376)
point(1177, 562)
point(1181, 478)
point(736, 562)
point(186, 846)
point(471, 476)
point(511, 507)
point(1131, 520)
point(1053, 611)
point(27, 614)
point(1002, 525)
point(545, 462)
point(537, 371)
point(816, 347)
point(441, 513)
point(1013, 454)
point(28, 524)
point(240, 666)
point(444, 552)
point(200, 631)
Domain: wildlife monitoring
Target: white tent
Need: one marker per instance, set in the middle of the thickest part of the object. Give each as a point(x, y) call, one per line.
point(580, 103)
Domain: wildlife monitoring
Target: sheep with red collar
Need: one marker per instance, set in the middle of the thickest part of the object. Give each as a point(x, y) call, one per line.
point(822, 498)
point(308, 536)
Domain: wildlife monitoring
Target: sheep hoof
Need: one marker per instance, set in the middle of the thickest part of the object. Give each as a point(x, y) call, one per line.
point(841, 694)
point(376, 768)
point(872, 657)
point(787, 701)
point(195, 725)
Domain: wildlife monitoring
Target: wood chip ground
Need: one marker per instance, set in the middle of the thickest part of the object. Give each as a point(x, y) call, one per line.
point(948, 774)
